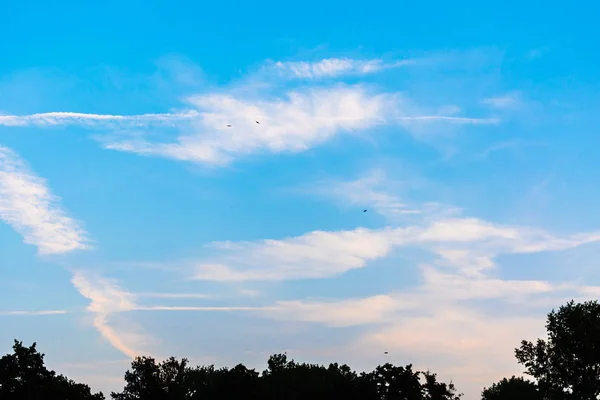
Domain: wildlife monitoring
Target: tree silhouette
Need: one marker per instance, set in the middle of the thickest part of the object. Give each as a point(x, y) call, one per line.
point(23, 376)
point(147, 380)
point(567, 364)
point(398, 383)
point(282, 380)
point(435, 390)
point(512, 389)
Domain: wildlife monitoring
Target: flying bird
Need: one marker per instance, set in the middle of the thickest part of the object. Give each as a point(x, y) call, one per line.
point(257, 122)
point(229, 126)
point(364, 210)
point(385, 352)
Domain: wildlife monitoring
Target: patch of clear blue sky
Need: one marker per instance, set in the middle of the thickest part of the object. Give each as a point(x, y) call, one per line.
point(100, 58)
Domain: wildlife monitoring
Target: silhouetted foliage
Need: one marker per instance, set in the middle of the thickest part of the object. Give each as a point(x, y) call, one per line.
point(512, 389)
point(23, 376)
point(282, 380)
point(435, 390)
point(567, 364)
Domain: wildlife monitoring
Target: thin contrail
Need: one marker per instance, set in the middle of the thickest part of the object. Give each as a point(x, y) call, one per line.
point(69, 118)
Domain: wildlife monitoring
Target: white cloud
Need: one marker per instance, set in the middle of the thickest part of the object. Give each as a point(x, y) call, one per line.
point(333, 67)
point(200, 308)
point(366, 191)
point(464, 243)
point(73, 118)
point(107, 298)
point(460, 120)
point(466, 230)
point(468, 244)
point(300, 120)
point(29, 207)
point(317, 254)
point(509, 144)
point(295, 123)
point(175, 295)
point(342, 313)
point(463, 330)
point(33, 313)
point(109, 304)
point(457, 286)
point(376, 192)
point(105, 295)
point(506, 101)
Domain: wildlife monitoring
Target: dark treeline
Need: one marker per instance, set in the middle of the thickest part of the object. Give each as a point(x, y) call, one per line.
point(24, 376)
point(565, 366)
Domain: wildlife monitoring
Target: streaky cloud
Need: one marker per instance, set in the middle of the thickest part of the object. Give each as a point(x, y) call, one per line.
point(27, 205)
point(74, 118)
point(175, 295)
point(463, 243)
point(33, 313)
point(107, 300)
point(332, 67)
point(301, 119)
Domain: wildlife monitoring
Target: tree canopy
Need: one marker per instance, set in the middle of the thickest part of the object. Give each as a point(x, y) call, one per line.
point(567, 364)
point(513, 389)
point(283, 379)
point(23, 376)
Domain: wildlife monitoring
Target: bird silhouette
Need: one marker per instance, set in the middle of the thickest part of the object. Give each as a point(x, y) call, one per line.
point(257, 122)
point(364, 210)
point(385, 352)
point(229, 126)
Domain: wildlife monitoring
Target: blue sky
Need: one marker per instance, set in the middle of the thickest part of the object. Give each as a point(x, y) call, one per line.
point(136, 222)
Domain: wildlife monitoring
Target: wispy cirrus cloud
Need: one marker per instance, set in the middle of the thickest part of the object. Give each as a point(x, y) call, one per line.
point(509, 100)
point(507, 145)
point(469, 244)
point(466, 244)
point(291, 120)
point(27, 204)
point(332, 67)
point(110, 303)
point(221, 127)
point(317, 254)
point(379, 193)
point(33, 313)
point(107, 300)
point(340, 313)
point(175, 295)
point(295, 123)
point(74, 118)
point(300, 120)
